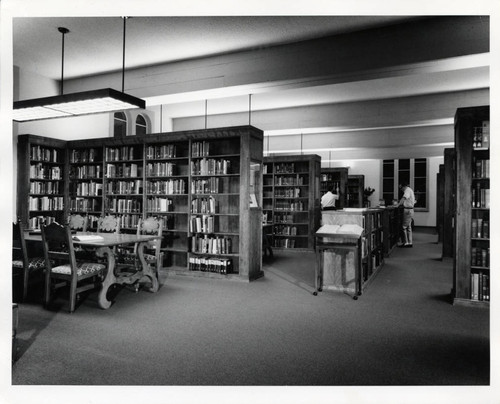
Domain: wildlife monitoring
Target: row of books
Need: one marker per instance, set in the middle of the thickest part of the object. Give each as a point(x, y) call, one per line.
point(481, 137)
point(119, 205)
point(205, 186)
point(326, 185)
point(165, 151)
point(158, 204)
point(297, 206)
point(45, 203)
point(161, 169)
point(480, 228)
point(85, 205)
point(284, 168)
point(204, 205)
point(480, 286)
point(283, 218)
point(39, 153)
point(211, 245)
point(43, 172)
point(122, 153)
point(168, 187)
point(128, 170)
point(200, 149)
point(287, 192)
point(89, 188)
point(216, 265)
point(124, 187)
point(84, 172)
point(285, 230)
point(210, 167)
point(129, 221)
point(49, 187)
point(202, 224)
point(480, 196)
point(35, 223)
point(84, 155)
point(284, 243)
point(480, 168)
point(292, 181)
point(480, 257)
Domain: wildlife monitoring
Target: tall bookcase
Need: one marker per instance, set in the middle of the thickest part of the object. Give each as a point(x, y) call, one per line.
point(206, 186)
point(337, 178)
point(355, 191)
point(472, 230)
point(41, 185)
point(291, 199)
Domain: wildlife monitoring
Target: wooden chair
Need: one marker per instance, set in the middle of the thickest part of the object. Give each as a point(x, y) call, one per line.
point(108, 224)
point(152, 250)
point(77, 222)
point(58, 249)
point(23, 265)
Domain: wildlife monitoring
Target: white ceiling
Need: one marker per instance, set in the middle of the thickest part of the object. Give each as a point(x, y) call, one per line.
point(95, 45)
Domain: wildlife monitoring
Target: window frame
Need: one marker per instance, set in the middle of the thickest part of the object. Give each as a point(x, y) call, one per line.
point(396, 180)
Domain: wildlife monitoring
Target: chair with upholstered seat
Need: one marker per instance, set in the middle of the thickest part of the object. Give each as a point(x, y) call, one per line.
point(24, 263)
point(62, 268)
point(152, 249)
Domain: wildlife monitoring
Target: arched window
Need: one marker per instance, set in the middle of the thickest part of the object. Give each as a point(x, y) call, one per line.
point(120, 125)
point(141, 127)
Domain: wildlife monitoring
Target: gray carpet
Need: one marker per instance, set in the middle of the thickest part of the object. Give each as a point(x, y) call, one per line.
point(402, 331)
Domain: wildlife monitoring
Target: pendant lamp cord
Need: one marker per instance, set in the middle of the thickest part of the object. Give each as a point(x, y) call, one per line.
point(123, 64)
point(63, 31)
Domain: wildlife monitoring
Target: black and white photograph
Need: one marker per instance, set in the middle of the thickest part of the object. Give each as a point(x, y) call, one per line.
point(273, 202)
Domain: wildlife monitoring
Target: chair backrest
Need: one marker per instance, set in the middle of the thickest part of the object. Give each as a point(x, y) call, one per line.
point(77, 222)
point(108, 224)
point(19, 250)
point(58, 246)
point(152, 226)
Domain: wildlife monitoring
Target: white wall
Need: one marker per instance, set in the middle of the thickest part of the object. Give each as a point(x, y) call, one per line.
point(372, 170)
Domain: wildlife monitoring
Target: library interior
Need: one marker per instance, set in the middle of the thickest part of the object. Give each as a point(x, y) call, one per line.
point(255, 201)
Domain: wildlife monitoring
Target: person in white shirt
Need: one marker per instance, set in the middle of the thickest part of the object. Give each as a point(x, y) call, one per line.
point(408, 203)
point(328, 200)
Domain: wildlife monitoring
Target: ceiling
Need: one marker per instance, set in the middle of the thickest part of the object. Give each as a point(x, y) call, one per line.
point(95, 45)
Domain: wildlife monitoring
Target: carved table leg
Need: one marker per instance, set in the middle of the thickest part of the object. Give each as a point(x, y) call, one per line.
point(109, 279)
point(146, 270)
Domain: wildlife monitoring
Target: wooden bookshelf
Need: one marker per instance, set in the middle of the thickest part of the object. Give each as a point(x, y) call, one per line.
point(449, 204)
point(42, 180)
point(338, 178)
point(392, 221)
point(472, 219)
point(355, 191)
point(169, 175)
point(291, 200)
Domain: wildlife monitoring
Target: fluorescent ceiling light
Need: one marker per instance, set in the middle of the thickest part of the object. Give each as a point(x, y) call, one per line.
point(83, 103)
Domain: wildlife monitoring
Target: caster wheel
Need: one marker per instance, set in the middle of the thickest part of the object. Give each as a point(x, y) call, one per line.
point(315, 293)
point(355, 297)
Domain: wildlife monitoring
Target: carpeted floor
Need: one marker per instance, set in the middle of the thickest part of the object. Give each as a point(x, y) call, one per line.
point(402, 331)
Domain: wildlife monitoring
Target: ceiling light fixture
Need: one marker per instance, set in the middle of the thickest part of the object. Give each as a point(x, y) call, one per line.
point(74, 104)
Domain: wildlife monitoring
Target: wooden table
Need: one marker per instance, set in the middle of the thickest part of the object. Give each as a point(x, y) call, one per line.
point(329, 241)
point(104, 249)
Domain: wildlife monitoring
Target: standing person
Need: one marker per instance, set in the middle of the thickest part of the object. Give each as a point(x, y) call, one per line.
point(328, 199)
point(408, 202)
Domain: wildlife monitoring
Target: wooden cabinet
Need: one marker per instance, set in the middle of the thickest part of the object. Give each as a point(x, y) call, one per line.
point(355, 191)
point(291, 199)
point(336, 178)
point(472, 215)
point(338, 272)
point(206, 186)
point(41, 184)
